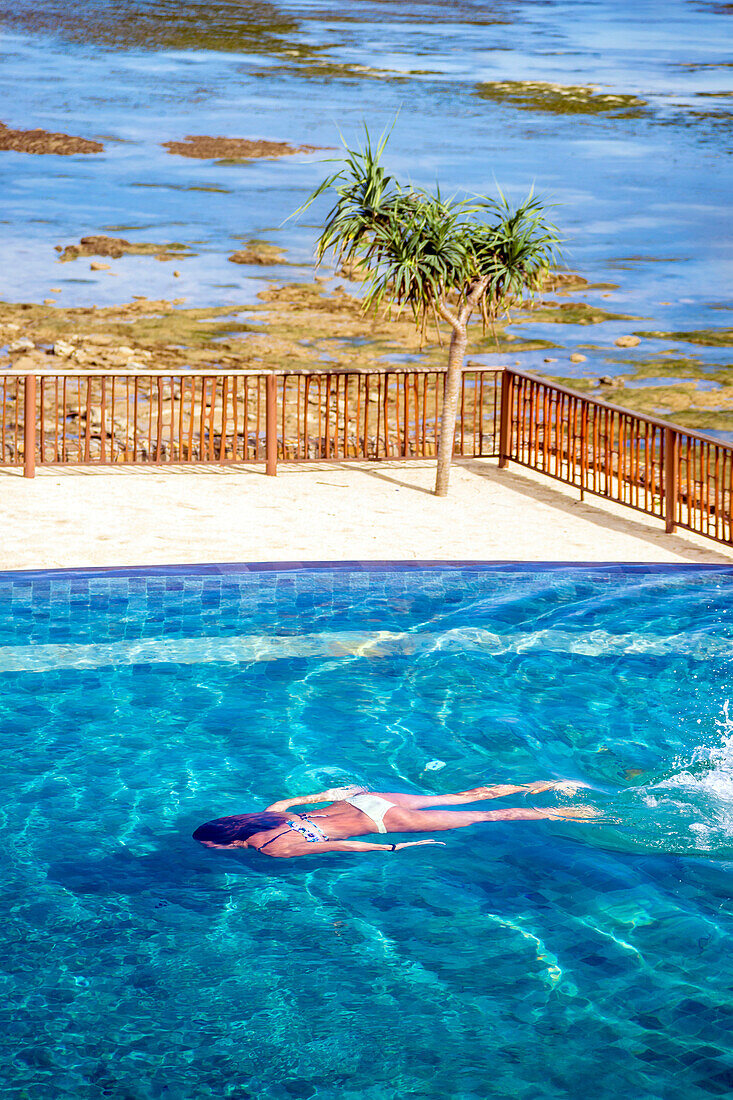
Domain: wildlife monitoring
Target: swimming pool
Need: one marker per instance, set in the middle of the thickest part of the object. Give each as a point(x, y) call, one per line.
point(522, 960)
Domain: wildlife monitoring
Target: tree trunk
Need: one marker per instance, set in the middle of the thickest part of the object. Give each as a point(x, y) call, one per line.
point(453, 378)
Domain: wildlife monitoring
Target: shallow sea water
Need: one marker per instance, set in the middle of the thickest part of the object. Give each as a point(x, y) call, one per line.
point(523, 960)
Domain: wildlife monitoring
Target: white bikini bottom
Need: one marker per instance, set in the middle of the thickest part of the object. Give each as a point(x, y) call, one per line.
point(373, 806)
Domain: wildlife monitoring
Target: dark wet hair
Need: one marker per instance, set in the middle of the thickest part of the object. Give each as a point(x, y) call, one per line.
point(227, 830)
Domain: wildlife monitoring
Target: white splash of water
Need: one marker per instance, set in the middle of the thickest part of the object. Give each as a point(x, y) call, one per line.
point(701, 787)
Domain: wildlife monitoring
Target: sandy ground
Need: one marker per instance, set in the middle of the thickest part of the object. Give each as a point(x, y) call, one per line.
point(326, 512)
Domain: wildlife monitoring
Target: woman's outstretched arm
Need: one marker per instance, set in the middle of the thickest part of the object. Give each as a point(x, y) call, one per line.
point(295, 848)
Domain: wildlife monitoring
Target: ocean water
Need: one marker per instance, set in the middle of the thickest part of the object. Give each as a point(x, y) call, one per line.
point(641, 193)
point(527, 960)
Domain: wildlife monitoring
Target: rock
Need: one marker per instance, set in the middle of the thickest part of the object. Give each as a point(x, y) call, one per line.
point(176, 274)
point(627, 341)
point(63, 350)
point(11, 328)
point(203, 147)
point(549, 360)
point(43, 141)
point(99, 340)
point(81, 357)
point(121, 356)
point(96, 266)
point(576, 357)
point(23, 344)
point(508, 337)
point(605, 380)
point(257, 252)
point(31, 362)
point(353, 270)
point(49, 301)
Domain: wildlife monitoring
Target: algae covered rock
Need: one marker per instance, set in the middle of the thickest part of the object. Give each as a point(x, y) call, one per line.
point(115, 247)
point(260, 253)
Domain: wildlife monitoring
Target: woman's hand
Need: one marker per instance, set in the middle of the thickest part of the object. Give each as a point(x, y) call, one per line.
point(338, 794)
point(417, 844)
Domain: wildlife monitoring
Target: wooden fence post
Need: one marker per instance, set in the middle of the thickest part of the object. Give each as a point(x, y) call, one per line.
point(29, 427)
point(670, 478)
point(271, 425)
point(505, 420)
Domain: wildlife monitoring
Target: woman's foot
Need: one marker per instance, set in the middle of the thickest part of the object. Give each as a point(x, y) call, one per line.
point(575, 812)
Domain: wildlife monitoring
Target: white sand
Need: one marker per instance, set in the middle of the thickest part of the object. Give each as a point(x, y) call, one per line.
point(320, 512)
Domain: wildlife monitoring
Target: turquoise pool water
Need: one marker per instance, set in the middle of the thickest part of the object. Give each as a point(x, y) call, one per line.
point(522, 960)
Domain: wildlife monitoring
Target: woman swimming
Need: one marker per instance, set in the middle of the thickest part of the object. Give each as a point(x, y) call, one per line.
point(355, 811)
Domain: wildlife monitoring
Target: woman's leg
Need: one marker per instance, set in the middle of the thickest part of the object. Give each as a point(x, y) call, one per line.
point(404, 820)
point(460, 798)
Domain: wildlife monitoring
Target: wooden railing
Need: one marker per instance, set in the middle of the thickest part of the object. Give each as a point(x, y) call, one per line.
point(683, 477)
point(80, 418)
point(83, 418)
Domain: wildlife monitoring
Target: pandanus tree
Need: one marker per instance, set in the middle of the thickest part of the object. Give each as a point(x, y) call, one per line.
point(444, 260)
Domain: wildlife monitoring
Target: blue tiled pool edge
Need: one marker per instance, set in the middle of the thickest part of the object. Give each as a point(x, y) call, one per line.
point(359, 565)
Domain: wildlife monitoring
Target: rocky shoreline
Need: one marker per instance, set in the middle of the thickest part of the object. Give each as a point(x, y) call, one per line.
point(302, 326)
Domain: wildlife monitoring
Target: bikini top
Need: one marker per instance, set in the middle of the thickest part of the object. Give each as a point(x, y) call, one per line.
point(305, 826)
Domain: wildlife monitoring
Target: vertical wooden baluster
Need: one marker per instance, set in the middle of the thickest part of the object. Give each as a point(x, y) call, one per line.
point(64, 414)
point(150, 455)
point(41, 420)
point(306, 394)
point(424, 378)
point(327, 416)
point(235, 418)
point(397, 414)
point(126, 420)
point(193, 418)
point(5, 421)
point(102, 421)
point(88, 429)
point(158, 419)
point(271, 425)
point(113, 410)
point(170, 381)
point(56, 457)
point(387, 378)
point(583, 447)
point(17, 418)
point(670, 478)
point(729, 509)
point(596, 448)
point(224, 403)
point(29, 426)
point(366, 418)
point(135, 408)
point(637, 427)
point(204, 386)
point(181, 402)
point(245, 419)
point(716, 488)
point(212, 412)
